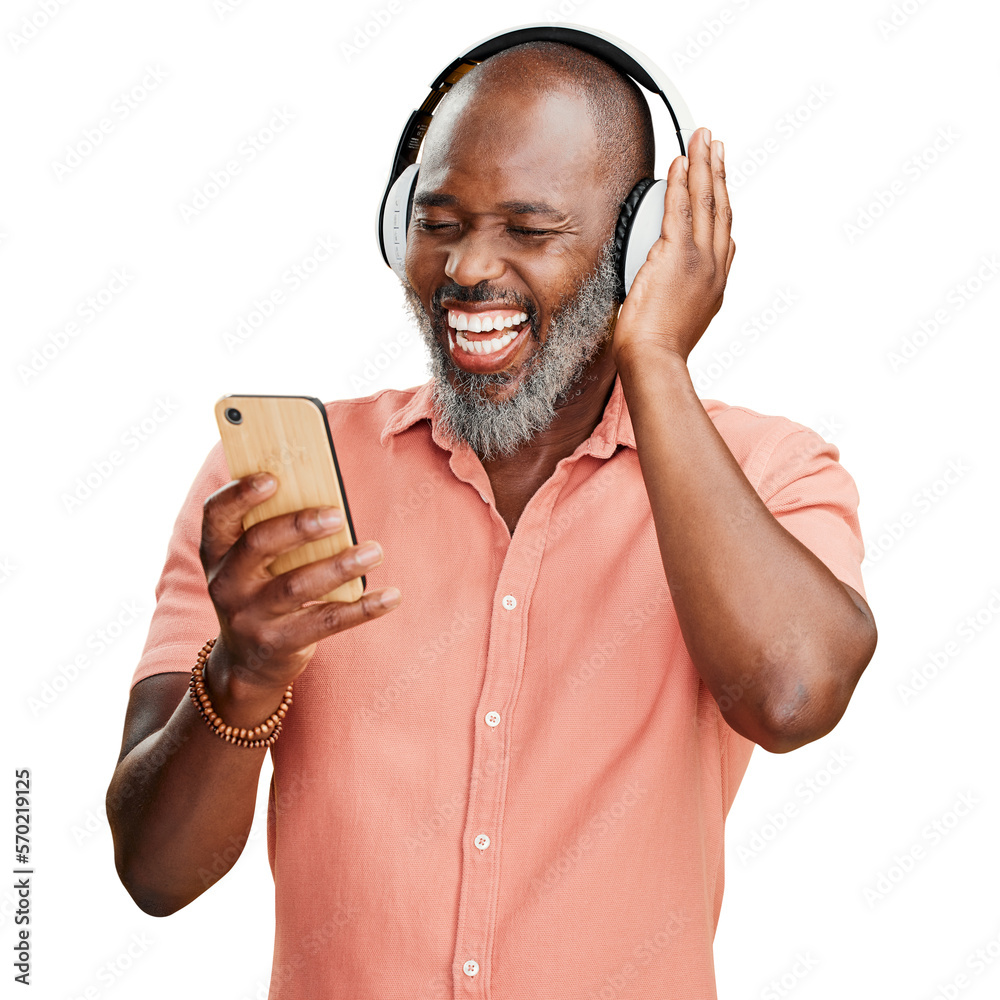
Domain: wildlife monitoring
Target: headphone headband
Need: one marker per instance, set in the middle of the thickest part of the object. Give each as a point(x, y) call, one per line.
point(607, 47)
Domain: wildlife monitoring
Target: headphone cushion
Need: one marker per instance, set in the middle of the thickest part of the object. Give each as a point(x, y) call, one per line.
point(623, 226)
point(395, 218)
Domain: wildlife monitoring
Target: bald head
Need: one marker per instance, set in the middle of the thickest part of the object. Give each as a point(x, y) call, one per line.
point(618, 113)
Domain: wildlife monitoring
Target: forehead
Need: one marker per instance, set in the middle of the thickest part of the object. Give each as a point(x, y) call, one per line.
point(509, 146)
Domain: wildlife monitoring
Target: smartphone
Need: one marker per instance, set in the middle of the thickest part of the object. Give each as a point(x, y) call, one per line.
point(289, 436)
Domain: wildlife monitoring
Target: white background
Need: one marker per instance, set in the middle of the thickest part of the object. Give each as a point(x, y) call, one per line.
point(795, 904)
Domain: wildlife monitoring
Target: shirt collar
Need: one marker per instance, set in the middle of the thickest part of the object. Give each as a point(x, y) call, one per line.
point(614, 428)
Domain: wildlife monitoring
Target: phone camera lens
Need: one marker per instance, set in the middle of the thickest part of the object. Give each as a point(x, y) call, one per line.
point(234, 416)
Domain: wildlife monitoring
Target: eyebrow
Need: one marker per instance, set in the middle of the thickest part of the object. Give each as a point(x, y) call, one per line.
point(430, 199)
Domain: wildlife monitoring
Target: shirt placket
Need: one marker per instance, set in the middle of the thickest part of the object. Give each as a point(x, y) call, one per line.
point(482, 838)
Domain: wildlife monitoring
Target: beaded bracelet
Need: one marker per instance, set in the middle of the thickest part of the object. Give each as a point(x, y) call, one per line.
point(263, 735)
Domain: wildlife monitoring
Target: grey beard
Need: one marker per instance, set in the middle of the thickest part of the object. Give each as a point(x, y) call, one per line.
point(578, 329)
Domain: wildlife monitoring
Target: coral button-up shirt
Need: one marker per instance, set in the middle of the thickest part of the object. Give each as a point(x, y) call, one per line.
point(515, 784)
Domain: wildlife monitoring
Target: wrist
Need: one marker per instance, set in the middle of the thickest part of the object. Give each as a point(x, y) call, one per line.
point(638, 358)
point(238, 701)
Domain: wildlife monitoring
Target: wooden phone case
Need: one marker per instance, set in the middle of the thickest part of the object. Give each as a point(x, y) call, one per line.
point(289, 436)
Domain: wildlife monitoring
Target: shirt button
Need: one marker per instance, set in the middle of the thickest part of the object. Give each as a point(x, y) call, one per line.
point(482, 842)
point(471, 967)
point(510, 602)
point(492, 719)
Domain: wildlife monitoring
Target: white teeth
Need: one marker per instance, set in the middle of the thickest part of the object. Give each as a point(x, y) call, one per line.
point(508, 322)
point(482, 346)
point(487, 324)
point(475, 324)
point(461, 322)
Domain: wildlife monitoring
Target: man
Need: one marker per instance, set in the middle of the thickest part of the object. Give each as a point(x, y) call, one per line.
point(609, 591)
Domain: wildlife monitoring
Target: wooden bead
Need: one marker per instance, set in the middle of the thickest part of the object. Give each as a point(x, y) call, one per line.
point(263, 735)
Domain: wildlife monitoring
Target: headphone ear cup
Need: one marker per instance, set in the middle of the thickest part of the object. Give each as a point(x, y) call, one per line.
point(395, 219)
point(638, 228)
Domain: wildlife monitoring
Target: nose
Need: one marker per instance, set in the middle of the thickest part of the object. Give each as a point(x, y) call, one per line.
point(473, 259)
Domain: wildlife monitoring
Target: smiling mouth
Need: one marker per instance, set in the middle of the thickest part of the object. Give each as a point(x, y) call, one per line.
point(487, 332)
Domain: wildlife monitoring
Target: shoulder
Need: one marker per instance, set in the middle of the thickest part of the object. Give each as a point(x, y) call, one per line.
point(756, 439)
point(373, 410)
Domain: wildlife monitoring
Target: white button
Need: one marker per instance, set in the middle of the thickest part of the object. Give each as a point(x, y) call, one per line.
point(510, 602)
point(471, 967)
point(482, 841)
point(492, 719)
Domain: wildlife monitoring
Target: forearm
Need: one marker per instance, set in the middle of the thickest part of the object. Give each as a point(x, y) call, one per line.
point(774, 635)
point(181, 802)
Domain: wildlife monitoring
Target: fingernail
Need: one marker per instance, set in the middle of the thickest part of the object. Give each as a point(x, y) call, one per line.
point(369, 553)
point(706, 135)
point(722, 150)
point(330, 516)
point(390, 598)
point(263, 481)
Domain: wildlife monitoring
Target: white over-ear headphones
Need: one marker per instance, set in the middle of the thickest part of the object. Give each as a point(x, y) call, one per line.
point(641, 215)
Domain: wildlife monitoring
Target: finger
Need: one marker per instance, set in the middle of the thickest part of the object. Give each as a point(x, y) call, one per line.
point(701, 190)
point(676, 226)
point(723, 210)
point(264, 541)
point(732, 253)
point(318, 621)
point(223, 513)
point(288, 591)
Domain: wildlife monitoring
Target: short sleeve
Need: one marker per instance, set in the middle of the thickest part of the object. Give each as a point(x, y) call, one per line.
point(184, 618)
point(814, 498)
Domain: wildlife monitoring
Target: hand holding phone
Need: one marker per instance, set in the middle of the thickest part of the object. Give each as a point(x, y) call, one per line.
point(265, 555)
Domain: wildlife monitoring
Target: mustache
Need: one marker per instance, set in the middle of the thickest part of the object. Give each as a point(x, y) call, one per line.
point(482, 293)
